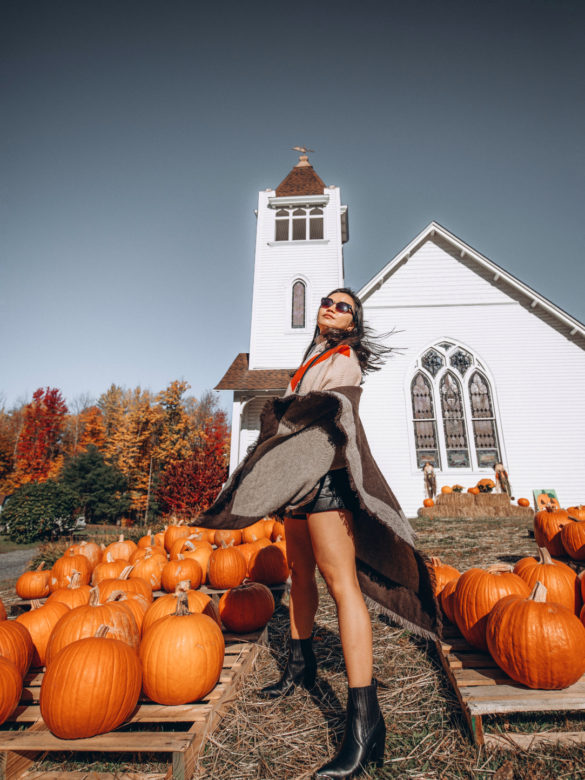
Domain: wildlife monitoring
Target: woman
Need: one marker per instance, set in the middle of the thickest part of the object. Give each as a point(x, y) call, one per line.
point(340, 516)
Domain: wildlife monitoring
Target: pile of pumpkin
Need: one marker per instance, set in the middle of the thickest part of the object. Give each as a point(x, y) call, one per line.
point(530, 617)
point(103, 637)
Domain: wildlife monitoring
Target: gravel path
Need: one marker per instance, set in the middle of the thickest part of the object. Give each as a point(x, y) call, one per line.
point(12, 564)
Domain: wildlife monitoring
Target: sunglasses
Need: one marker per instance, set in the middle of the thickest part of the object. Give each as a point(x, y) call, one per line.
point(340, 306)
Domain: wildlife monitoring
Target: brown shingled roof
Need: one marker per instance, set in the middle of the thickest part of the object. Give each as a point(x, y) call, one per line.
point(239, 377)
point(302, 180)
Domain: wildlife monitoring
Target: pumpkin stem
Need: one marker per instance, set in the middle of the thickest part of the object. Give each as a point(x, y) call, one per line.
point(539, 592)
point(117, 595)
point(435, 560)
point(36, 604)
point(188, 545)
point(125, 573)
point(544, 556)
point(102, 631)
point(94, 597)
point(180, 557)
point(183, 587)
point(40, 566)
point(182, 605)
point(75, 580)
point(500, 568)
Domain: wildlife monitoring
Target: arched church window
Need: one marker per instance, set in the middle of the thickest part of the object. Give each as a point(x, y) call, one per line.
point(316, 223)
point(298, 304)
point(282, 225)
point(425, 423)
point(454, 427)
point(483, 420)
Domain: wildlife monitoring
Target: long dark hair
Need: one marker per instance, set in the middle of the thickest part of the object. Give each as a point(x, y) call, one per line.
point(370, 353)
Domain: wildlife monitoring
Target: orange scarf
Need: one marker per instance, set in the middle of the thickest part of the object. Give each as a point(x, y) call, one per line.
point(343, 349)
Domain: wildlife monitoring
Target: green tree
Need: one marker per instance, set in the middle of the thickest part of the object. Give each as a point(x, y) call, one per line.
point(39, 511)
point(100, 487)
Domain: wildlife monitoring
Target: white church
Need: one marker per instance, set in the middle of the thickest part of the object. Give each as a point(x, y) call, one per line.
point(490, 369)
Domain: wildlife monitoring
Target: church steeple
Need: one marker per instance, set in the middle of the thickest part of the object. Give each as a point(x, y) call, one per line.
point(302, 180)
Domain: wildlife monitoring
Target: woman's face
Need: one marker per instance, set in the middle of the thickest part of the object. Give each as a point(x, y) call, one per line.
point(329, 317)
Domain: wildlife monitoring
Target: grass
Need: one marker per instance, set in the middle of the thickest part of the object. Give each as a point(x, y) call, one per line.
point(427, 737)
point(6, 545)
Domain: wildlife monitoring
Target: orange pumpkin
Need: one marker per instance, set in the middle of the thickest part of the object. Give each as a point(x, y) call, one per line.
point(74, 595)
point(486, 485)
point(473, 490)
point(428, 502)
point(577, 512)
point(174, 532)
point(523, 502)
point(228, 536)
point(135, 603)
point(63, 569)
point(107, 570)
point(10, 688)
point(277, 530)
point(446, 600)
point(17, 645)
point(91, 550)
point(547, 529)
point(443, 573)
point(167, 605)
point(227, 568)
point(269, 566)
point(180, 570)
point(559, 579)
point(120, 550)
point(446, 489)
point(254, 532)
point(125, 582)
point(182, 656)
point(34, 584)
point(40, 623)
point(150, 568)
point(536, 642)
point(476, 593)
point(573, 539)
point(102, 676)
point(246, 608)
point(83, 622)
point(3, 615)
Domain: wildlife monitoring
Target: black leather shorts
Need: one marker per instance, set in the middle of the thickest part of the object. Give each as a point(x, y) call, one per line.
point(334, 492)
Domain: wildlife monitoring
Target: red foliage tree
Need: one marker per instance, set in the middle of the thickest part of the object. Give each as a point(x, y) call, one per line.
point(38, 455)
point(190, 486)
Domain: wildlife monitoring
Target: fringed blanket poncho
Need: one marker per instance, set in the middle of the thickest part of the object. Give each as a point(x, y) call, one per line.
point(300, 438)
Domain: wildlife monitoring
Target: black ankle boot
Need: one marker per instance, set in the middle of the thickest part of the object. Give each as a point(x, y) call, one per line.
point(300, 669)
point(363, 741)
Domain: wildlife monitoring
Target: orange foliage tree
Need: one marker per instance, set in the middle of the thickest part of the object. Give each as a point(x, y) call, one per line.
point(38, 455)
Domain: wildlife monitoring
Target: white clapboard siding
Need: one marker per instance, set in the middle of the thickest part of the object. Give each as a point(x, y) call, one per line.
point(537, 374)
point(273, 342)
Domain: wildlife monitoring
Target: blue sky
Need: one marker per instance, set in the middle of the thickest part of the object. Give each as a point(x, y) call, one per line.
point(135, 137)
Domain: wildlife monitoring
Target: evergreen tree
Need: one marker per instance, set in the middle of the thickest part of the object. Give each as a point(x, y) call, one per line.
point(100, 487)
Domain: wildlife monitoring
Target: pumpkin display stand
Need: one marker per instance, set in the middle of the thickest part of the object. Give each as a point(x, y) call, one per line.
point(484, 689)
point(186, 726)
point(488, 505)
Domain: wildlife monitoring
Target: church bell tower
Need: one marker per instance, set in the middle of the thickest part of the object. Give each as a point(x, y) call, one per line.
point(300, 232)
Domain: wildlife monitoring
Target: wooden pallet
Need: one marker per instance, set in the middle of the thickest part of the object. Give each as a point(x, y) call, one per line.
point(484, 689)
point(19, 748)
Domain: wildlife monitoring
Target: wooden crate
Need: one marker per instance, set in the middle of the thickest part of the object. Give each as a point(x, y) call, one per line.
point(484, 689)
point(19, 748)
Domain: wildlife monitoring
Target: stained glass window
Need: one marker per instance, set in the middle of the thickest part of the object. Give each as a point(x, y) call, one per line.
point(484, 421)
point(432, 361)
point(298, 305)
point(425, 424)
point(461, 360)
point(454, 422)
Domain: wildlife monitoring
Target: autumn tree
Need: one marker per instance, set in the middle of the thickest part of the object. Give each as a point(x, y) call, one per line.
point(191, 485)
point(38, 449)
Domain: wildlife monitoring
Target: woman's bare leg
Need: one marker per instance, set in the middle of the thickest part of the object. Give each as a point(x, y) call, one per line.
point(304, 597)
point(334, 552)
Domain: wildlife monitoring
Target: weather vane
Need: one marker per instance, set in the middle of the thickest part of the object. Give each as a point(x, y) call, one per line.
point(302, 149)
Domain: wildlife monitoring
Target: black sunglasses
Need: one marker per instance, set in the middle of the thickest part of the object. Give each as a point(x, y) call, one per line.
point(340, 306)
